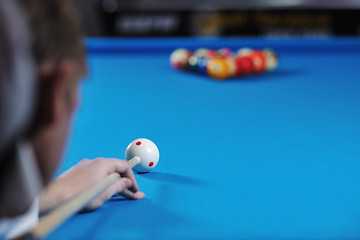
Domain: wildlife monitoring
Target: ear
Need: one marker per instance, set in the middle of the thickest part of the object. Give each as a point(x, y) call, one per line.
point(56, 87)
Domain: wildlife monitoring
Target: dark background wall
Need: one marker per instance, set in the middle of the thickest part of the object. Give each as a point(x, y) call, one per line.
point(271, 18)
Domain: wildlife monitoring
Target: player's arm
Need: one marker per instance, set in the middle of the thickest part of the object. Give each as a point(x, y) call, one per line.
point(84, 175)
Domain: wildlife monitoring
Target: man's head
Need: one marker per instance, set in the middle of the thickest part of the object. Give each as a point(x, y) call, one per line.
point(57, 47)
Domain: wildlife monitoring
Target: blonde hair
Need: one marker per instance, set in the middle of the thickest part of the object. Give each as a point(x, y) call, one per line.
point(56, 32)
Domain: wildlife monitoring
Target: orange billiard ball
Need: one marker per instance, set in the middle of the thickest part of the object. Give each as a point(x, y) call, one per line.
point(218, 68)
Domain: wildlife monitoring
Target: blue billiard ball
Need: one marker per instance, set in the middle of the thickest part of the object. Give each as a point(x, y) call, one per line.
point(202, 62)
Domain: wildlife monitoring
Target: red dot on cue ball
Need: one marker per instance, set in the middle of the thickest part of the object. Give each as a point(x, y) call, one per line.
point(138, 143)
point(151, 164)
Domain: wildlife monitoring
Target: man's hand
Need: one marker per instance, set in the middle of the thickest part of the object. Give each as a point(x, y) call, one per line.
point(84, 175)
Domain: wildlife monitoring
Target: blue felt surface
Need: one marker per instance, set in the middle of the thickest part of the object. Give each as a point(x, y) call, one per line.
point(269, 156)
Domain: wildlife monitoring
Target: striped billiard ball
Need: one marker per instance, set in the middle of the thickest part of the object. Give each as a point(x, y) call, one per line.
point(179, 58)
point(271, 59)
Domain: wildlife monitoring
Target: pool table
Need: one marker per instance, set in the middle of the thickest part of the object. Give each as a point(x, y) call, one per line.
point(267, 156)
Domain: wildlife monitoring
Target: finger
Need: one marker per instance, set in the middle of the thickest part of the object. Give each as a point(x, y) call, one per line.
point(126, 193)
point(123, 167)
point(118, 186)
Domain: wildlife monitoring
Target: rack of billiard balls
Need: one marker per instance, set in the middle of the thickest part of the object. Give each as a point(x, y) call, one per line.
point(223, 63)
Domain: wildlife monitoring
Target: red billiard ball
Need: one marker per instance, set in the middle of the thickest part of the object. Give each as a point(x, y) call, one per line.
point(211, 54)
point(259, 61)
point(244, 65)
point(237, 67)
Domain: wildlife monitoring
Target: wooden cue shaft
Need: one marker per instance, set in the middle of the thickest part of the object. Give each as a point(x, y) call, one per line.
point(63, 212)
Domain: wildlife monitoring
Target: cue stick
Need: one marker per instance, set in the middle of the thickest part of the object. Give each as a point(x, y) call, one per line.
point(63, 212)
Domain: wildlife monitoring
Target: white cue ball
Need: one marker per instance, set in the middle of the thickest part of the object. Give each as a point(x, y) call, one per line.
point(146, 150)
